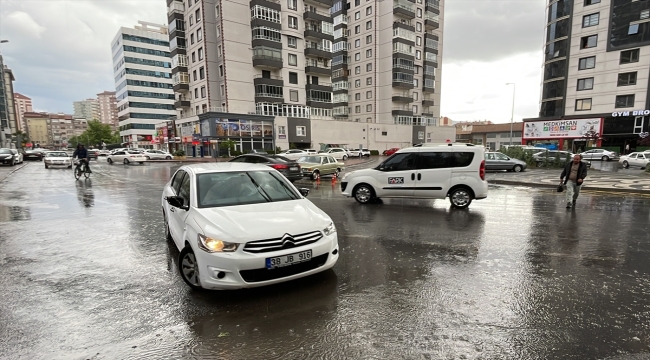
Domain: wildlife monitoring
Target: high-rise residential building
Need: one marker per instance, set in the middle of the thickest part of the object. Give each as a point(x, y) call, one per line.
point(321, 71)
point(143, 83)
point(108, 108)
point(596, 75)
point(86, 109)
point(23, 105)
point(37, 128)
point(61, 127)
point(8, 119)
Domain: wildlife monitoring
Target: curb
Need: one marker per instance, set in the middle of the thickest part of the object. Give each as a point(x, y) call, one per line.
point(551, 186)
point(13, 171)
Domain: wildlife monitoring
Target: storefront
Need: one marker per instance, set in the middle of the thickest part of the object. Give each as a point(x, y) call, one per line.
point(575, 135)
point(623, 130)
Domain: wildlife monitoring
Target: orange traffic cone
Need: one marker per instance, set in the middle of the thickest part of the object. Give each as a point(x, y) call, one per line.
point(318, 180)
point(334, 179)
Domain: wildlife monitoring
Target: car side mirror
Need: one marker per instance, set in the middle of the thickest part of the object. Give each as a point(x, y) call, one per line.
point(177, 201)
point(304, 192)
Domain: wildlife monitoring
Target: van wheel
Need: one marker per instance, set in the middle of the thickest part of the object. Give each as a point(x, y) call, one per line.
point(460, 198)
point(363, 194)
point(517, 168)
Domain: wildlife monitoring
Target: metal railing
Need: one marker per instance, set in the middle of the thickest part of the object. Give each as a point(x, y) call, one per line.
point(404, 22)
point(402, 108)
point(433, 3)
point(277, 39)
point(273, 77)
point(405, 94)
point(309, 45)
point(402, 66)
point(317, 12)
point(267, 57)
point(432, 17)
point(321, 84)
point(271, 95)
point(405, 7)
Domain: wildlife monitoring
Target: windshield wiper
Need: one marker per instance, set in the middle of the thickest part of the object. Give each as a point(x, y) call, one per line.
point(259, 188)
point(286, 188)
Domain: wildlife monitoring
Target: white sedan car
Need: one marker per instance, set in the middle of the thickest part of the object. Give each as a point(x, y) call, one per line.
point(57, 159)
point(294, 154)
point(126, 157)
point(636, 159)
point(337, 153)
point(241, 225)
point(157, 155)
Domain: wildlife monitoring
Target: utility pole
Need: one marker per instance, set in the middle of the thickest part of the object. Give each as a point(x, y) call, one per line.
point(512, 114)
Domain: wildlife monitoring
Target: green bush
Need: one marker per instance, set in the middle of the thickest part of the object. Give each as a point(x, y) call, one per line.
point(374, 152)
point(179, 152)
point(527, 157)
point(237, 152)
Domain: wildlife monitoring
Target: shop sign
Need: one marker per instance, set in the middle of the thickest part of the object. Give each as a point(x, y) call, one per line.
point(575, 129)
point(631, 113)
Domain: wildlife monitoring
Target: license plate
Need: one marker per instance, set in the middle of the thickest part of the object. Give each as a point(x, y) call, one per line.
point(286, 260)
point(293, 169)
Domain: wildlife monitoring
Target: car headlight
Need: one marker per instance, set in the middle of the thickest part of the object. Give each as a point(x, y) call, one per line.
point(213, 245)
point(308, 169)
point(330, 229)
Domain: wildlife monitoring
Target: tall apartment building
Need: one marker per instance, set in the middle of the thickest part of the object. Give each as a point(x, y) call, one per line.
point(86, 109)
point(318, 72)
point(143, 83)
point(108, 108)
point(8, 123)
point(62, 127)
point(23, 105)
point(37, 128)
point(596, 75)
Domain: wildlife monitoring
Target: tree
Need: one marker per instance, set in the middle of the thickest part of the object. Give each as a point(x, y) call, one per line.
point(96, 134)
point(20, 135)
point(644, 139)
point(228, 145)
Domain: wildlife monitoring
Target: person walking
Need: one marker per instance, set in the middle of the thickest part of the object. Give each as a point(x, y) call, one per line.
point(575, 173)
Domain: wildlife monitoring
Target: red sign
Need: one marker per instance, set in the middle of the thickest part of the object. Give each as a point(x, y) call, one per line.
point(29, 144)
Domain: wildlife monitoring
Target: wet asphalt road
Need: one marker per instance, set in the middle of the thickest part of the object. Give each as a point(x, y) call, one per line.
point(86, 273)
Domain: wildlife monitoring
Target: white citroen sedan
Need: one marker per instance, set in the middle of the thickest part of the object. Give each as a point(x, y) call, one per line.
point(240, 225)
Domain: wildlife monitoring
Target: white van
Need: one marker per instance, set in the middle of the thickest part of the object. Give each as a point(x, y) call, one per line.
point(432, 171)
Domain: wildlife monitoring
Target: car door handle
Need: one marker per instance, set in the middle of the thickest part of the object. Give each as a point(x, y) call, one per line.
point(412, 176)
point(419, 176)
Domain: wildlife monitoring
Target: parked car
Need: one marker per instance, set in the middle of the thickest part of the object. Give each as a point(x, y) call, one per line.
point(157, 155)
point(33, 155)
point(7, 157)
point(599, 154)
point(315, 166)
point(93, 154)
point(365, 152)
point(240, 225)
point(293, 154)
point(104, 152)
point(353, 152)
point(390, 151)
point(18, 156)
point(126, 157)
point(258, 151)
point(499, 161)
point(549, 156)
point(431, 171)
point(337, 153)
point(636, 159)
point(57, 159)
point(287, 167)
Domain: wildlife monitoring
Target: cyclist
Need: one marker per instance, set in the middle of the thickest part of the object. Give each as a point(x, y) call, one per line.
point(82, 154)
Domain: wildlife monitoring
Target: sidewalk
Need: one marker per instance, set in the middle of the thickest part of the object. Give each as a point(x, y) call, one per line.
point(633, 181)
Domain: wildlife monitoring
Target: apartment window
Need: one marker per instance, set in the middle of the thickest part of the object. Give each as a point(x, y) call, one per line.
point(357, 15)
point(191, 38)
point(194, 75)
point(199, 34)
point(591, 2)
point(357, 83)
point(191, 20)
point(644, 14)
point(293, 22)
point(218, 32)
point(292, 42)
point(357, 56)
point(419, 12)
point(418, 54)
point(585, 84)
point(369, 10)
point(587, 63)
point(638, 125)
point(293, 78)
point(357, 96)
point(357, 70)
point(384, 133)
point(368, 25)
point(357, 109)
point(200, 53)
point(368, 94)
point(197, 15)
point(626, 79)
point(357, 2)
point(415, 96)
point(369, 81)
point(293, 95)
point(201, 73)
point(369, 108)
point(216, 11)
point(193, 57)
point(369, 67)
point(357, 43)
point(590, 20)
point(293, 60)
point(418, 27)
point(221, 70)
point(633, 29)
point(418, 41)
point(293, 4)
point(202, 91)
point(623, 101)
point(415, 109)
point(301, 131)
point(222, 90)
point(415, 82)
point(629, 56)
point(357, 29)
point(583, 104)
point(589, 41)
point(369, 39)
point(196, 93)
point(416, 69)
point(369, 53)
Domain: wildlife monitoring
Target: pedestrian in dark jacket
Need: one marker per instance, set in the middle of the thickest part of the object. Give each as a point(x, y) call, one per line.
point(575, 173)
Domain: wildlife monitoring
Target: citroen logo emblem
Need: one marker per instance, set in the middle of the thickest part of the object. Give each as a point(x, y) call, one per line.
point(287, 240)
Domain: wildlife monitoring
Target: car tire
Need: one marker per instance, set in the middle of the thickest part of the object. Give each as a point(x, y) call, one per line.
point(605, 158)
point(147, 157)
point(46, 166)
point(110, 161)
point(626, 165)
point(517, 168)
point(140, 162)
point(168, 158)
point(315, 175)
point(460, 198)
point(126, 161)
point(363, 193)
point(188, 268)
point(168, 234)
point(13, 163)
point(345, 157)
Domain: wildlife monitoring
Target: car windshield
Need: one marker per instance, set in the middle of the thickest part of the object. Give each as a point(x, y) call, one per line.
point(310, 159)
point(57, 154)
point(5, 151)
point(240, 188)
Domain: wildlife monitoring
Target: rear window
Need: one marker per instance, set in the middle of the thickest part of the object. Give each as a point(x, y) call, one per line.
point(462, 159)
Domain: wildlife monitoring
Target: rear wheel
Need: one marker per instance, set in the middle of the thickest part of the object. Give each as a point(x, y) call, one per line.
point(517, 168)
point(126, 161)
point(110, 161)
point(460, 198)
point(147, 157)
point(168, 158)
point(315, 175)
point(345, 157)
point(189, 268)
point(605, 158)
point(363, 193)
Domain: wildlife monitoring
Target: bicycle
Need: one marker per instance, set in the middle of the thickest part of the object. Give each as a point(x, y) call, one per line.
point(78, 171)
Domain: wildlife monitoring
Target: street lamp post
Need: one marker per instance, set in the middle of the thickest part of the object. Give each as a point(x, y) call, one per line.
point(2, 128)
point(512, 114)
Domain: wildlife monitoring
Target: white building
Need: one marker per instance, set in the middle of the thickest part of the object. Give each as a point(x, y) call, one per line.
point(143, 84)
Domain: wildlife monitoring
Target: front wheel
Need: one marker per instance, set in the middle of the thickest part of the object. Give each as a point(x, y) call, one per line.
point(189, 268)
point(46, 166)
point(315, 175)
point(147, 157)
point(345, 157)
point(110, 161)
point(363, 194)
point(605, 158)
point(168, 158)
point(626, 164)
point(126, 161)
point(460, 198)
point(77, 173)
point(517, 168)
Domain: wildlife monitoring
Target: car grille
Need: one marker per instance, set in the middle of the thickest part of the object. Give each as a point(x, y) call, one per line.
point(257, 275)
point(285, 242)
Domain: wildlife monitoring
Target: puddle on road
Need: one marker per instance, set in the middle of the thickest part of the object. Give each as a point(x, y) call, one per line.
point(10, 213)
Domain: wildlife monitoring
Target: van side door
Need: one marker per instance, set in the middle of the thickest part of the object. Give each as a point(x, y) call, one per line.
point(433, 174)
point(396, 176)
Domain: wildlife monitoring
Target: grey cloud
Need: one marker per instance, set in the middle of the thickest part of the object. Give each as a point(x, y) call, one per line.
point(486, 31)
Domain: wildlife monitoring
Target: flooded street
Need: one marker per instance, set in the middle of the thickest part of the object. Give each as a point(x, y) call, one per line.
point(86, 273)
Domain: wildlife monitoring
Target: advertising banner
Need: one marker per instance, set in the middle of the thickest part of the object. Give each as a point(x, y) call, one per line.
point(568, 129)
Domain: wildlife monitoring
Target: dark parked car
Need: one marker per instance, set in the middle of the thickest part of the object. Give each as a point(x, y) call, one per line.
point(7, 157)
point(33, 155)
point(289, 168)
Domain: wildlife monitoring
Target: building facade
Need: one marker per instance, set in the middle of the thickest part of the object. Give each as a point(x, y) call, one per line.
point(108, 109)
point(495, 136)
point(86, 109)
point(62, 127)
point(37, 128)
point(8, 119)
point(596, 75)
point(143, 84)
point(320, 70)
point(23, 105)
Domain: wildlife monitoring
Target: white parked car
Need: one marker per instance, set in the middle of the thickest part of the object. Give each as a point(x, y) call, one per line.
point(18, 156)
point(293, 154)
point(337, 153)
point(599, 154)
point(125, 157)
point(431, 171)
point(636, 159)
point(157, 155)
point(240, 225)
point(57, 159)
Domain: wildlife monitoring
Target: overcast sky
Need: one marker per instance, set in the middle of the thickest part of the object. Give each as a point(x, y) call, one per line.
point(59, 51)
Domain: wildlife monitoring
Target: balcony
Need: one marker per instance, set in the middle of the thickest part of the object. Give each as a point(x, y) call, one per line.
point(316, 32)
point(267, 57)
point(180, 104)
point(402, 111)
point(176, 7)
point(318, 70)
point(325, 3)
point(431, 21)
point(427, 101)
point(317, 50)
point(429, 88)
point(271, 4)
point(313, 14)
point(403, 10)
point(266, 97)
point(260, 79)
point(181, 82)
point(321, 86)
point(404, 97)
point(319, 103)
point(433, 6)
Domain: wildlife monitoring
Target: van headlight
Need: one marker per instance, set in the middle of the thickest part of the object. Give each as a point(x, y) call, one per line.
point(330, 229)
point(213, 245)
